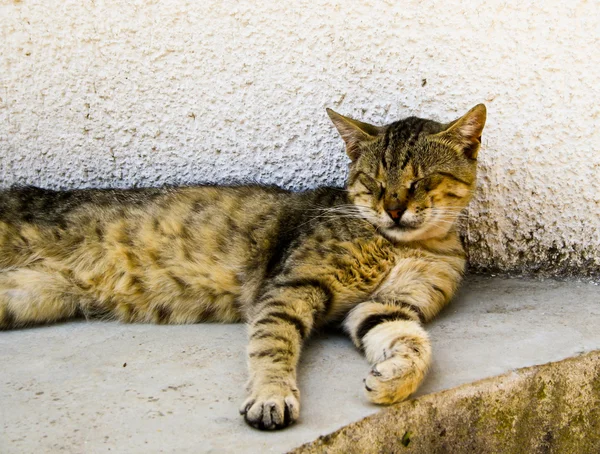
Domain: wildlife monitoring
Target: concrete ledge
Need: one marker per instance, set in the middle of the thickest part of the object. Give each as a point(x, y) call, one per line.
point(550, 408)
point(109, 387)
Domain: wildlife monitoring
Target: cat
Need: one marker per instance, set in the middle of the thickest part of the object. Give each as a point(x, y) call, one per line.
point(381, 256)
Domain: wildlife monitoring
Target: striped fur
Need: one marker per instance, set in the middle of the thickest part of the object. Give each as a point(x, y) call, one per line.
point(381, 255)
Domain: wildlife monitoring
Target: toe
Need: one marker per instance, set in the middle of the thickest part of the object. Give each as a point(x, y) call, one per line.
point(375, 372)
point(292, 410)
point(254, 415)
point(246, 406)
point(271, 415)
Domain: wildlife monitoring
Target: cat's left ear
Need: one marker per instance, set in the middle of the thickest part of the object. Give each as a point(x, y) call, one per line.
point(353, 132)
point(465, 133)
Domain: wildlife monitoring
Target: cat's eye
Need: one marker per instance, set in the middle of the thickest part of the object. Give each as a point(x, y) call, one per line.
point(413, 186)
point(372, 186)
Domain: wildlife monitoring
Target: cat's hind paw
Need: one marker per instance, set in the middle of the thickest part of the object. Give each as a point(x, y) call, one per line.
point(271, 408)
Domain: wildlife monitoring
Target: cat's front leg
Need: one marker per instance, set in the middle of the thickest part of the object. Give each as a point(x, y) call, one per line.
point(282, 321)
point(394, 341)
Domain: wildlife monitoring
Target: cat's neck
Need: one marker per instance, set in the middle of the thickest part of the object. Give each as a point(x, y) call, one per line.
point(450, 243)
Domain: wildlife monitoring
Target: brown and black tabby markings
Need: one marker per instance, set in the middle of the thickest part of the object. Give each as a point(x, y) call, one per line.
point(382, 256)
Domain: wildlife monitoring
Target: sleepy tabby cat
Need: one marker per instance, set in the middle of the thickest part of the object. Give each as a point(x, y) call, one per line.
point(382, 256)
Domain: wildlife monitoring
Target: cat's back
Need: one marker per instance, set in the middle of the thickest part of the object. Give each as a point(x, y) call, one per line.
point(203, 252)
point(33, 205)
point(144, 246)
point(34, 219)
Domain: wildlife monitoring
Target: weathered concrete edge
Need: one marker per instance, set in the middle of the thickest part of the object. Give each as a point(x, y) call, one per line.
point(534, 260)
point(553, 407)
point(527, 270)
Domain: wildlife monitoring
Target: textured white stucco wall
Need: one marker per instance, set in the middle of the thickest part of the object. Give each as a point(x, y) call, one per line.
point(148, 92)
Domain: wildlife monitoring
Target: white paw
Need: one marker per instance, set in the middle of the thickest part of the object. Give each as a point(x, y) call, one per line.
point(400, 366)
point(393, 380)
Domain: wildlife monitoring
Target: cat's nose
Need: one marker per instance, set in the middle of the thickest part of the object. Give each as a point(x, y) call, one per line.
point(396, 215)
point(395, 210)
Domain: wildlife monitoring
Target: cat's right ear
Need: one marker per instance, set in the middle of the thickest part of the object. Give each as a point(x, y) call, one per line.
point(353, 132)
point(464, 134)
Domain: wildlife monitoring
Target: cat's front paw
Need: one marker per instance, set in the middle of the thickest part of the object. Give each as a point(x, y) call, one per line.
point(392, 380)
point(402, 353)
point(399, 373)
point(272, 407)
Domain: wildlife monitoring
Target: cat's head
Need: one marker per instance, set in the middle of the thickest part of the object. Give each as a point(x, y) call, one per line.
point(412, 178)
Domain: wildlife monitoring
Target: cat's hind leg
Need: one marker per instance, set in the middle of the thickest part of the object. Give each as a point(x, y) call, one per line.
point(32, 296)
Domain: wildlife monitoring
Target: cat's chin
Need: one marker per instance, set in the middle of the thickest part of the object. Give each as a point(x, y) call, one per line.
point(397, 234)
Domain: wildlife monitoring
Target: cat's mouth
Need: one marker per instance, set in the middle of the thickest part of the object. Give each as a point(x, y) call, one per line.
point(405, 227)
point(402, 232)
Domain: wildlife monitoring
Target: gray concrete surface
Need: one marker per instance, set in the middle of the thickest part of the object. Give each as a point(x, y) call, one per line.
point(105, 387)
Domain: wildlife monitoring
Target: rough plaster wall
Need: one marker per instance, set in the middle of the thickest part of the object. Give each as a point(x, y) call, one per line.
point(112, 93)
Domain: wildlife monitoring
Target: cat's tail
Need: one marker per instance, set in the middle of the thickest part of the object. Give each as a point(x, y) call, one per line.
point(30, 297)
